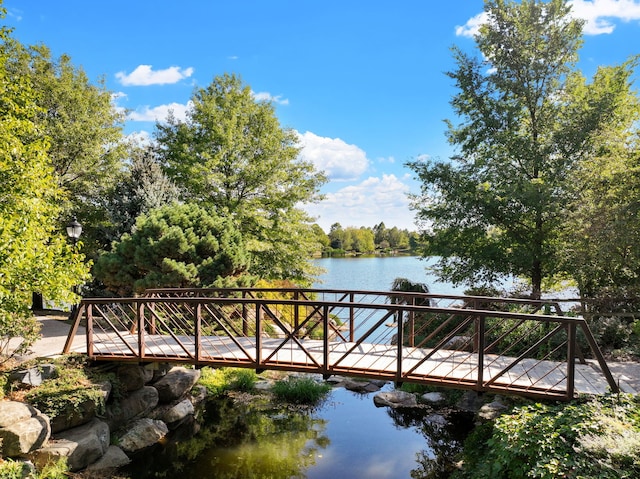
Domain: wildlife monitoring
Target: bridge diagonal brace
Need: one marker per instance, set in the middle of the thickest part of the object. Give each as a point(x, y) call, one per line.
point(289, 336)
point(526, 353)
point(364, 336)
point(442, 342)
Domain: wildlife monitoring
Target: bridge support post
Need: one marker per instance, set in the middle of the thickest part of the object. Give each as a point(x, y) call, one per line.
point(141, 328)
point(325, 340)
point(197, 331)
point(258, 333)
point(479, 340)
point(571, 359)
point(400, 342)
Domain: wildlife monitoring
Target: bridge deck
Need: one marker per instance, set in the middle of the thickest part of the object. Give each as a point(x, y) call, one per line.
point(469, 342)
point(448, 366)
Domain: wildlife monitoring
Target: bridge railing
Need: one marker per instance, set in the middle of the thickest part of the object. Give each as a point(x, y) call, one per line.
point(465, 342)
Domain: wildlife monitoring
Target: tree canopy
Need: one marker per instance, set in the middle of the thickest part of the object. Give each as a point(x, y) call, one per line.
point(232, 155)
point(498, 207)
point(34, 253)
point(177, 245)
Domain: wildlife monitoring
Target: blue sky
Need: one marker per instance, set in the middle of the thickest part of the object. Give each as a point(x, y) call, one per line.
point(362, 82)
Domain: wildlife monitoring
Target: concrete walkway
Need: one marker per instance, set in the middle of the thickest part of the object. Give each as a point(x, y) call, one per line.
point(54, 331)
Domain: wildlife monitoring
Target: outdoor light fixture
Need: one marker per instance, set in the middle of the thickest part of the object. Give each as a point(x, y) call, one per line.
point(74, 230)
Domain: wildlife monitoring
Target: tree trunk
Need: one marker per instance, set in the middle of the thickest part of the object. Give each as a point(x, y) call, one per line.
point(37, 303)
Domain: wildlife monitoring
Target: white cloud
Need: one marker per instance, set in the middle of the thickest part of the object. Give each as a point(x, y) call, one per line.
point(160, 113)
point(144, 75)
point(368, 203)
point(599, 15)
point(140, 137)
point(15, 14)
point(339, 160)
point(266, 96)
point(472, 27)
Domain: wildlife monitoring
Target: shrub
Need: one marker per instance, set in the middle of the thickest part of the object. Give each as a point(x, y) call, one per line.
point(599, 438)
point(219, 381)
point(300, 390)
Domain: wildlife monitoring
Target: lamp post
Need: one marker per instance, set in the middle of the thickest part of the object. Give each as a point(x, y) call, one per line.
point(74, 230)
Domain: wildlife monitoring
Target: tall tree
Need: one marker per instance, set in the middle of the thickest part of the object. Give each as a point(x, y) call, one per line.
point(231, 154)
point(602, 234)
point(34, 254)
point(497, 208)
point(142, 187)
point(84, 131)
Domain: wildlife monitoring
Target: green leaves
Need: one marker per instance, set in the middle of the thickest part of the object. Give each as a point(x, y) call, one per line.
point(178, 245)
point(528, 123)
point(232, 155)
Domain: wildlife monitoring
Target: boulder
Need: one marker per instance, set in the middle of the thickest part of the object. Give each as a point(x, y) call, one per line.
point(22, 428)
point(137, 403)
point(176, 383)
point(32, 377)
point(132, 376)
point(395, 399)
point(76, 415)
point(492, 410)
point(143, 433)
point(81, 446)
point(112, 459)
point(178, 413)
point(434, 398)
point(470, 401)
point(362, 387)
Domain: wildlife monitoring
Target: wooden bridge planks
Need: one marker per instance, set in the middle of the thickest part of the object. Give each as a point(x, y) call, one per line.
point(447, 367)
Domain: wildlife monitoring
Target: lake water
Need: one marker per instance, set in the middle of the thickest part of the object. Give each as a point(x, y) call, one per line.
point(377, 273)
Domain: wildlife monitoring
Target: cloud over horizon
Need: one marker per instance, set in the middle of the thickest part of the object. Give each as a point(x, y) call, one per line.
point(159, 113)
point(339, 160)
point(373, 200)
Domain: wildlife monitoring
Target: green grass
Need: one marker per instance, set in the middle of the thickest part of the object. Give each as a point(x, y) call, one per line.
point(300, 390)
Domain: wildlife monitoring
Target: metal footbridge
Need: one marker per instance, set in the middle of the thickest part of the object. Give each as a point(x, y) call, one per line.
point(485, 344)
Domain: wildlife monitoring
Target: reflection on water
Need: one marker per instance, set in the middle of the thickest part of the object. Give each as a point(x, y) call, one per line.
point(347, 437)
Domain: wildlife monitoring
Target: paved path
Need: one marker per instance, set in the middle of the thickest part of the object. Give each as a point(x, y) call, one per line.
point(54, 331)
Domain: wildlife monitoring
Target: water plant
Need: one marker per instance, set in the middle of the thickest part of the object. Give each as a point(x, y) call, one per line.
point(300, 390)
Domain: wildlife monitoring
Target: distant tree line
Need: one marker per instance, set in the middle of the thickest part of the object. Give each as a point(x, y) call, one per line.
point(366, 240)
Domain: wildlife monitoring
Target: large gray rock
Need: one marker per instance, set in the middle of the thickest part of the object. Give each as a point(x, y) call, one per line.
point(176, 383)
point(75, 415)
point(22, 428)
point(395, 399)
point(132, 376)
point(137, 403)
point(362, 387)
point(179, 412)
point(434, 398)
point(112, 459)
point(32, 377)
point(81, 446)
point(143, 433)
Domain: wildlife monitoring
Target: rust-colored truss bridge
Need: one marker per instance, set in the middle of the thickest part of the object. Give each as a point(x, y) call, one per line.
point(497, 345)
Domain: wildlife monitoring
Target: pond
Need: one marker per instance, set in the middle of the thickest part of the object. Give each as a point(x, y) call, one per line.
point(346, 437)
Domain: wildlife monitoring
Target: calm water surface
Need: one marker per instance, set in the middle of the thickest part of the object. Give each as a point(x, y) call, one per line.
point(377, 273)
